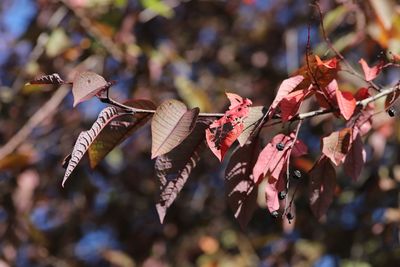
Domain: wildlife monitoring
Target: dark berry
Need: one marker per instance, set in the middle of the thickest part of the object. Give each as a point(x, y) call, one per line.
point(282, 195)
point(296, 174)
point(289, 216)
point(280, 146)
point(391, 112)
point(275, 214)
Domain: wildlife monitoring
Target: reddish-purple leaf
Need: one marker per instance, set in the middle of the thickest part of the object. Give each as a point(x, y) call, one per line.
point(88, 84)
point(240, 189)
point(118, 129)
point(337, 144)
point(285, 88)
point(346, 102)
point(173, 168)
point(49, 79)
point(270, 158)
point(322, 186)
point(171, 124)
point(355, 159)
point(272, 189)
point(86, 138)
point(290, 104)
point(371, 73)
point(362, 123)
point(223, 132)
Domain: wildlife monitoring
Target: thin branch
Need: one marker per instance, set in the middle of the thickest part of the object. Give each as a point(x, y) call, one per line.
point(350, 68)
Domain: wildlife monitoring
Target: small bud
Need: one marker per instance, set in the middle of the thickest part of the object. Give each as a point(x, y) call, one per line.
point(275, 214)
point(280, 146)
point(391, 112)
point(282, 195)
point(296, 174)
point(289, 216)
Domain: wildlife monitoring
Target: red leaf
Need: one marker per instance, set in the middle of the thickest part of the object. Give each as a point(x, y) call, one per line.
point(272, 189)
point(299, 149)
point(290, 104)
point(362, 94)
point(240, 189)
point(371, 73)
point(362, 123)
point(322, 186)
point(223, 132)
point(355, 159)
point(272, 161)
point(328, 98)
point(330, 63)
point(285, 88)
point(346, 102)
point(270, 157)
point(337, 144)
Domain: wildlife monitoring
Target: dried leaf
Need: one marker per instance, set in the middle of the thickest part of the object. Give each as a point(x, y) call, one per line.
point(174, 168)
point(337, 144)
point(240, 189)
point(355, 159)
point(322, 186)
point(370, 73)
point(48, 79)
point(88, 84)
point(117, 130)
point(171, 124)
point(86, 138)
point(250, 123)
point(223, 132)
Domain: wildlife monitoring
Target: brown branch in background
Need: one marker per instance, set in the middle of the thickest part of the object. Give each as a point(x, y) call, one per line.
point(350, 68)
point(86, 24)
point(49, 108)
point(39, 48)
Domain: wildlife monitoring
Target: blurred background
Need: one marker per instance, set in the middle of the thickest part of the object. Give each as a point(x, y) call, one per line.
point(194, 51)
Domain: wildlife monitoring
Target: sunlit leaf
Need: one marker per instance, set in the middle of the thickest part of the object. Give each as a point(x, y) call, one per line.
point(285, 88)
point(322, 186)
point(346, 102)
point(88, 84)
point(370, 73)
point(171, 124)
point(223, 132)
point(173, 168)
point(337, 144)
point(250, 123)
point(86, 138)
point(118, 129)
point(240, 189)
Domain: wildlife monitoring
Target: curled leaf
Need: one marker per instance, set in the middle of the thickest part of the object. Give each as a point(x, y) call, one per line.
point(48, 79)
point(370, 73)
point(116, 124)
point(171, 124)
point(117, 130)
